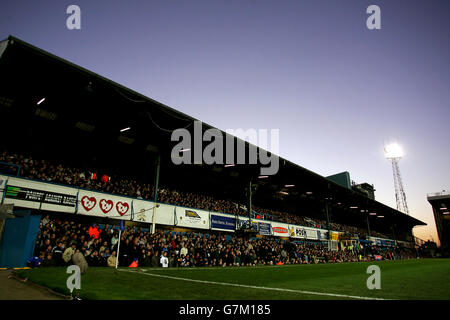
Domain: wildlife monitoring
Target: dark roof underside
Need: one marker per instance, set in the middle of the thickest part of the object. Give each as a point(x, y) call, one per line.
point(76, 97)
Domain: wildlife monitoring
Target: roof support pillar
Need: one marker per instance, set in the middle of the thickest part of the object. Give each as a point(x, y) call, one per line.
point(155, 196)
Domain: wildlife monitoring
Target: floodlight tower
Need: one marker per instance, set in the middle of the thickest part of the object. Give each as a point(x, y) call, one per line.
point(394, 153)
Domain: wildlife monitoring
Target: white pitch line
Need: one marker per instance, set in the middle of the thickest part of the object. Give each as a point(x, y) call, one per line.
point(254, 287)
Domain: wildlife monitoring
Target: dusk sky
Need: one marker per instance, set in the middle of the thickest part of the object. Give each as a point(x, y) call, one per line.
point(336, 90)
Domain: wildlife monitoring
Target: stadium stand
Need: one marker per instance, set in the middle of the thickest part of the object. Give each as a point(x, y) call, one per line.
point(46, 171)
point(59, 236)
point(66, 149)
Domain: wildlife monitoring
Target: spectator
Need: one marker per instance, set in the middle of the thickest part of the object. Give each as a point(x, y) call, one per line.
point(49, 261)
point(155, 261)
point(80, 261)
point(112, 260)
point(57, 253)
point(147, 261)
point(45, 170)
point(35, 262)
point(68, 253)
point(184, 251)
point(134, 264)
point(164, 261)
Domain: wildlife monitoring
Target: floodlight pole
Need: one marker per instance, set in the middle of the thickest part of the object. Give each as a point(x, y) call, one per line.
point(393, 232)
point(328, 218)
point(400, 196)
point(327, 214)
point(155, 196)
point(118, 248)
point(367, 217)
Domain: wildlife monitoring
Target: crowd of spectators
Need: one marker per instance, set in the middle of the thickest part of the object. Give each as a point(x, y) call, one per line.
point(90, 180)
point(60, 238)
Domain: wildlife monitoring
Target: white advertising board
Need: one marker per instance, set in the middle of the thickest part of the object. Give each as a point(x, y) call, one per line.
point(192, 218)
point(165, 214)
point(280, 229)
point(104, 205)
point(143, 211)
point(31, 194)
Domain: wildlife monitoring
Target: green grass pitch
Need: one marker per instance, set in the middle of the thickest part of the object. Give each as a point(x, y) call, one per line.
point(409, 279)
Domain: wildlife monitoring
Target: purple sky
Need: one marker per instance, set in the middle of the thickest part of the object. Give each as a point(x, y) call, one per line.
point(336, 90)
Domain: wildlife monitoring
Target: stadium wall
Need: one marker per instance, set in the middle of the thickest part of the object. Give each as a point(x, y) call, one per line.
point(18, 240)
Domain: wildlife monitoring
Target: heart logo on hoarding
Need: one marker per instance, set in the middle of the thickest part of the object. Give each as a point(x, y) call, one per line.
point(88, 202)
point(106, 205)
point(122, 207)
